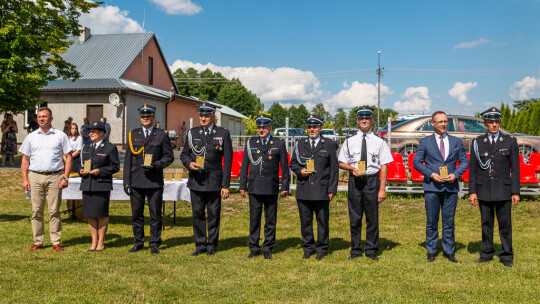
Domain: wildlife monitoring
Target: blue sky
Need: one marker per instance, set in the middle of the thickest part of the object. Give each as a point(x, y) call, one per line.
point(456, 56)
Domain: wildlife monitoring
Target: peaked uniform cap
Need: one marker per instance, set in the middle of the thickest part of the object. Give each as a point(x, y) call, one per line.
point(492, 114)
point(206, 108)
point(314, 120)
point(146, 110)
point(98, 125)
point(365, 112)
point(264, 120)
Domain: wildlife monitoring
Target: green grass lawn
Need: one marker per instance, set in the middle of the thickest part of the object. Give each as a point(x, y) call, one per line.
point(401, 275)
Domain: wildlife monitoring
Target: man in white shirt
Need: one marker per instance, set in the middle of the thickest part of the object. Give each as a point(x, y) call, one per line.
point(364, 155)
point(45, 174)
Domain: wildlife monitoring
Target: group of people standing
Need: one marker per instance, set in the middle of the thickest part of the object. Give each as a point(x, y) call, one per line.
point(207, 154)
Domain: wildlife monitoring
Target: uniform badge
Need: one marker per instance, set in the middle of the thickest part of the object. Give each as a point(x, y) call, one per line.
point(306, 140)
point(322, 140)
point(485, 139)
point(271, 142)
point(373, 158)
point(500, 138)
point(257, 141)
point(486, 154)
point(200, 131)
point(102, 145)
point(196, 147)
point(258, 151)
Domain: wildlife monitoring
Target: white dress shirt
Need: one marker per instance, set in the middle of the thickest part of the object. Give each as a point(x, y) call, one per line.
point(493, 137)
point(378, 152)
point(46, 150)
point(76, 144)
point(316, 140)
point(144, 130)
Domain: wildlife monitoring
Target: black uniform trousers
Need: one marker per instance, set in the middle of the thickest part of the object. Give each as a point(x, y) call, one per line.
point(200, 201)
point(488, 211)
point(363, 199)
point(256, 203)
point(154, 197)
point(306, 208)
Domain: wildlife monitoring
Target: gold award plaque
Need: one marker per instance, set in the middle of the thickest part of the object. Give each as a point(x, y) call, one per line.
point(177, 175)
point(87, 165)
point(362, 167)
point(200, 161)
point(168, 175)
point(443, 172)
point(148, 159)
point(310, 165)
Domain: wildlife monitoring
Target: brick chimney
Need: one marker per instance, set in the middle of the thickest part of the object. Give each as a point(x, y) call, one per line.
point(85, 33)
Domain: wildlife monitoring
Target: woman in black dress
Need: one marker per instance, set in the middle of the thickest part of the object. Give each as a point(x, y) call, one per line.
point(96, 184)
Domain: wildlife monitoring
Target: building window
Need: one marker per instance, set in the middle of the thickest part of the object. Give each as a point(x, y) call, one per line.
point(29, 114)
point(150, 71)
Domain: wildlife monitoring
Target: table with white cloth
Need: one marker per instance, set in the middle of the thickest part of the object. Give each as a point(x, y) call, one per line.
point(172, 191)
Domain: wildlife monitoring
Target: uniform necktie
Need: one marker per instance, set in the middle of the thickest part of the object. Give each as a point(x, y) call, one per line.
point(363, 154)
point(93, 148)
point(313, 145)
point(492, 141)
point(441, 146)
point(146, 133)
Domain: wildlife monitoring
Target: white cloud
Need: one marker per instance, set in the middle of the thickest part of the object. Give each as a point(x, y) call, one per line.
point(270, 85)
point(471, 44)
point(527, 88)
point(416, 100)
point(109, 20)
point(178, 7)
point(460, 91)
point(358, 94)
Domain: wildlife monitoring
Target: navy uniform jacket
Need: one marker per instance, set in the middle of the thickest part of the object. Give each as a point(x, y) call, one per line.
point(159, 145)
point(265, 181)
point(105, 158)
point(499, 184)
point(218, 147)
point(325, 180)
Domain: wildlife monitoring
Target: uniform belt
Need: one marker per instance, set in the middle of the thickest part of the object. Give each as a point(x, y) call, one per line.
point(366, 176)
point(47, 172)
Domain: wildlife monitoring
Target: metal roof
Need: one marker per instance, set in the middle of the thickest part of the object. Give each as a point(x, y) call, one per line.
point(106, 56)
point(228, 111)
point(84, 84)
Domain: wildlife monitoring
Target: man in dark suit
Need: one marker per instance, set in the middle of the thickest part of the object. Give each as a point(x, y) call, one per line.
point(263, 156)
point(315, 163)
point(149, 152)
point(494, 183)
point(440, 152)
point(209, 180)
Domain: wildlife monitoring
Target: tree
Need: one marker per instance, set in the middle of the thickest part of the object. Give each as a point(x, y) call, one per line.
point(340, 119)
point(237, 97)
point(34, 36)
point(204, 85)
point(298, 116)
point(279, 113)
point(320, 111)
point(532, 128)
point(251, 125)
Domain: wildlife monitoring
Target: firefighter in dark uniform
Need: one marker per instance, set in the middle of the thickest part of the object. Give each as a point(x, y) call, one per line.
point(149, 152)
point(259, 176)
point(315, 163)
point(209, 179)
point(494, 184)
point(365, 155)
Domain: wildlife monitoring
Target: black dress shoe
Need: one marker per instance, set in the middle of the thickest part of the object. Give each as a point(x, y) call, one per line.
point(451, 258)
point(211, 252)
point(154, 250)
point(508, 263)
point(483, 260)
point(253, 254)
point(136, 248)
point(197, 252)
point(431, 257)
point(320, 256)
point(354, 256)
point(307, 255)
point(372, 256)
point(267, 255)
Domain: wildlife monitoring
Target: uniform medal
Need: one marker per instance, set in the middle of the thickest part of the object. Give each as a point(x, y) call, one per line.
point(87, 165)
point(443, 172)
point(362, 167)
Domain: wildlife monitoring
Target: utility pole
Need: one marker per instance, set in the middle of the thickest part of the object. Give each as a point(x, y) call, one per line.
point(379, 73)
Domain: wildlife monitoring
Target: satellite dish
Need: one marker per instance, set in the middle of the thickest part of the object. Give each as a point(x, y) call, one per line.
point(114, 99)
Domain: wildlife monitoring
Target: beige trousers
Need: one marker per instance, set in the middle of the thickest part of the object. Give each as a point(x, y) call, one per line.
point(44, 189)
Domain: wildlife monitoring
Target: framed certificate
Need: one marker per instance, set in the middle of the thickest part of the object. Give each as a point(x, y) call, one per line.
point(168, 175)
point(87, 165)
point(443, 172)
point(200, 161)
point(361, 167)
point(310, 165)
point(148, 159)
